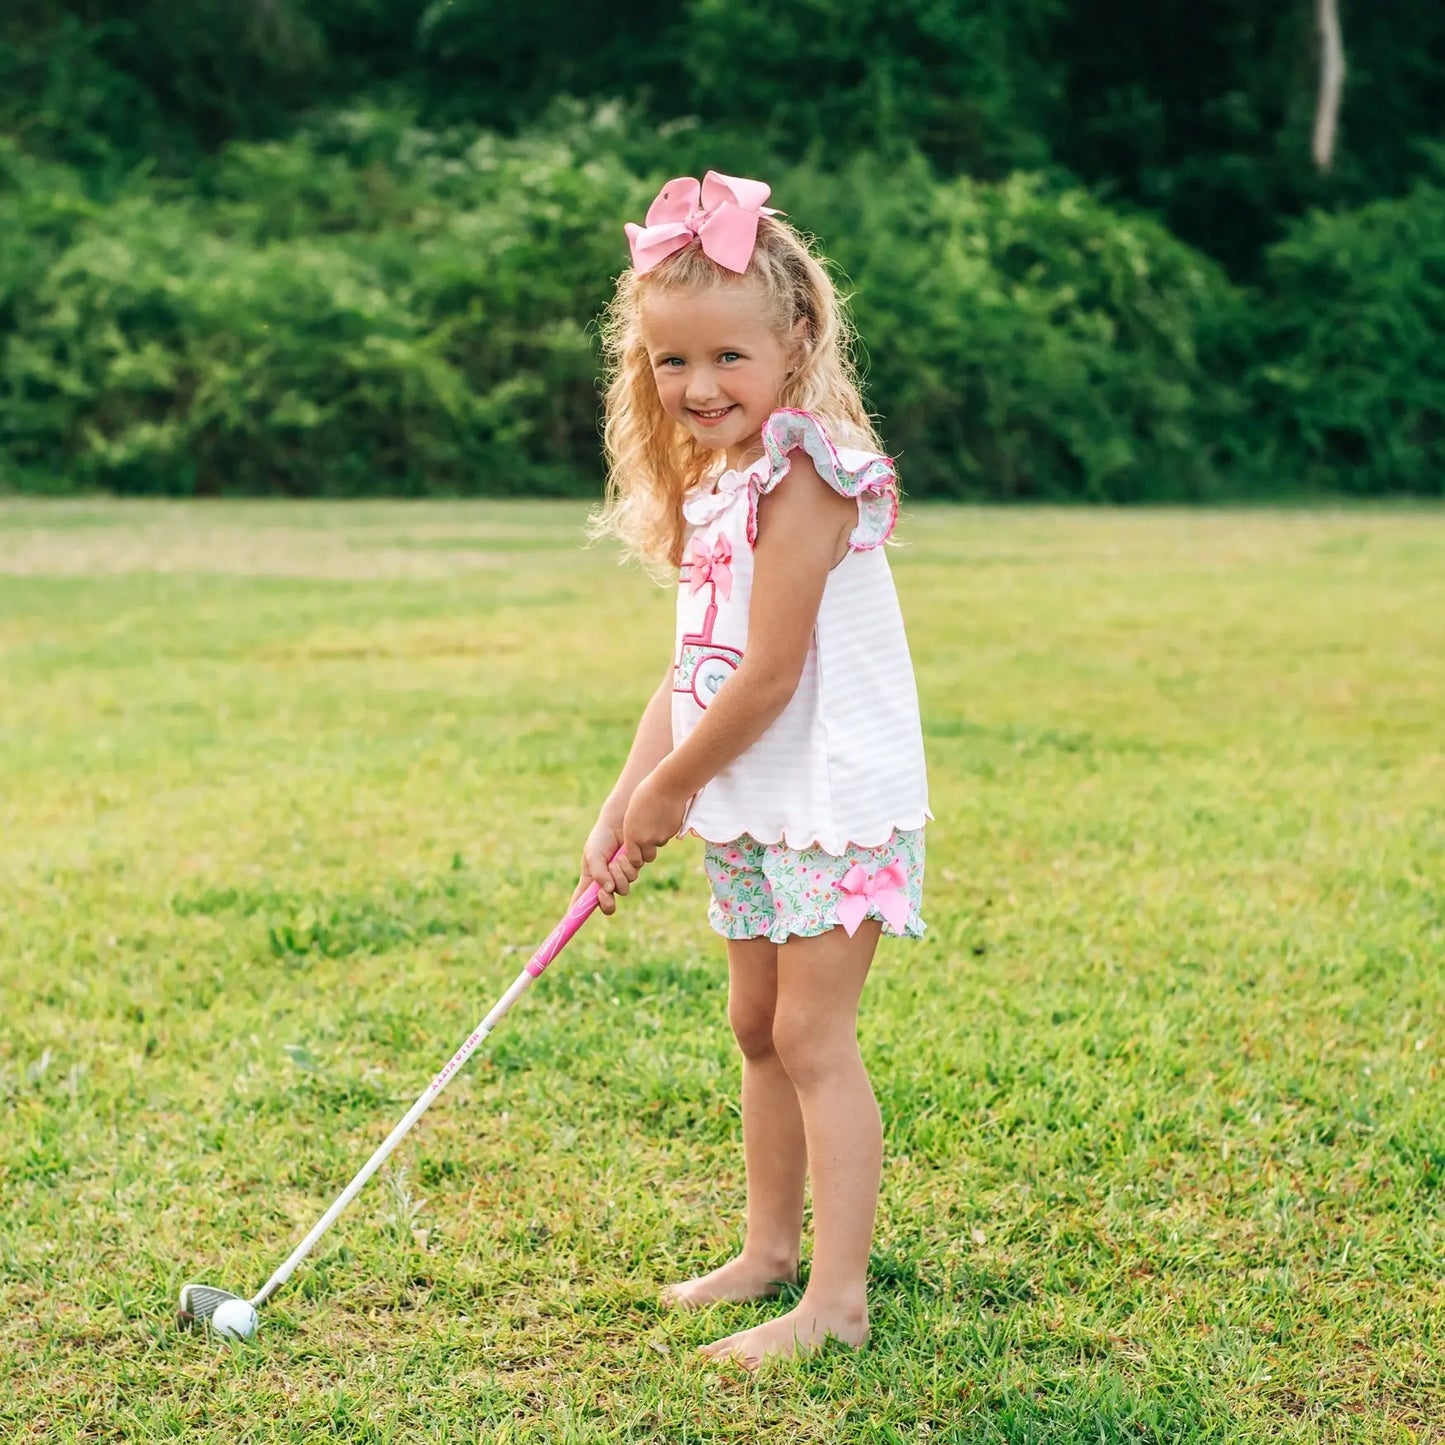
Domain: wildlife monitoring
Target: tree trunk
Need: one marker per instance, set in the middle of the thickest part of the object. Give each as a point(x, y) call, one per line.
point(1332, 79)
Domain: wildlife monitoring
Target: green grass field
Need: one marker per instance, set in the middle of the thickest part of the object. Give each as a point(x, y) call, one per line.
point(287, 794)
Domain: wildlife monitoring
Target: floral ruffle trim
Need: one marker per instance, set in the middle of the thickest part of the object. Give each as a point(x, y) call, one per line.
point(742, 928)
point(873, 483)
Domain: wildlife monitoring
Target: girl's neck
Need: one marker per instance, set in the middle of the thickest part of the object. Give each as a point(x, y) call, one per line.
point(739, 458)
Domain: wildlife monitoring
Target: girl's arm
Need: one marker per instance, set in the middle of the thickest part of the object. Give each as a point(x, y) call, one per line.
point(650, 744)
point(803, 530)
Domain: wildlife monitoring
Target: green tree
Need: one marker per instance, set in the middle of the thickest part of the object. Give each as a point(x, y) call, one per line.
point(1201, 110)
point(110, 82)
point(504, 60)
point(965, 82)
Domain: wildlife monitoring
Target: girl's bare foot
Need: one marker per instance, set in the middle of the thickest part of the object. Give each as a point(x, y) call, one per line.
point(799, 1332)
point(738, 1279)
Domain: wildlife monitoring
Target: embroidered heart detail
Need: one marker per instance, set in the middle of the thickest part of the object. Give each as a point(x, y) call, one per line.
point(713, 682)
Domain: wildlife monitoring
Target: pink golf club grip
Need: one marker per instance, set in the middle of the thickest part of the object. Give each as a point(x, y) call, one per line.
point(556, 941)
point(575, 917)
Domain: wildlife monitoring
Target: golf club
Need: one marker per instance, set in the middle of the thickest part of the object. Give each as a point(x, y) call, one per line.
point(235, 1316)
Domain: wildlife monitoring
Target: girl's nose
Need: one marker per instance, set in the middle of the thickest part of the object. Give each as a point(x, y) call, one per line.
point(701, 388)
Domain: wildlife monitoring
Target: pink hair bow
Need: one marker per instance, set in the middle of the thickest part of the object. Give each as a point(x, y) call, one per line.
point(882, 890)
point(714, 566)
point(723, 214)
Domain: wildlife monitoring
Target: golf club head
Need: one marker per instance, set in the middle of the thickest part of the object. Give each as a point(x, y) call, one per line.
point(200, 1301)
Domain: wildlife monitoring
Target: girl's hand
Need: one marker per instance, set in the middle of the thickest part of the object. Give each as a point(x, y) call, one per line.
point(654, 817)
point(597, 866)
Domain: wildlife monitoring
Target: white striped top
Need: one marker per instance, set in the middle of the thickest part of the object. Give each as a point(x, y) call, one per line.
point(843, 762)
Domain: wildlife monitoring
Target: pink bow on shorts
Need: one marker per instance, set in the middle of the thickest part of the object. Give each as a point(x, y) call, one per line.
point(882, 890)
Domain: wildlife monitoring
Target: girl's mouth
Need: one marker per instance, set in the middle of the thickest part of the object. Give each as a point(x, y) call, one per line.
point(712, 418)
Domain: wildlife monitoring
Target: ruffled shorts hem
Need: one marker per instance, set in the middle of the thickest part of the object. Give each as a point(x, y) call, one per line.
point(742, 929)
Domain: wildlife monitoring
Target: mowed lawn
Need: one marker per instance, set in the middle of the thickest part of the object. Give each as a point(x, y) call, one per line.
point(288, 792)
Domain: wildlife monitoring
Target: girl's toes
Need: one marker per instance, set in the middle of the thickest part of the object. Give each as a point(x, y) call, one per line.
point(723, 1349)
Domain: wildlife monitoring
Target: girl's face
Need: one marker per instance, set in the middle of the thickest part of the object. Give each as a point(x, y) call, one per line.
point(718, 363)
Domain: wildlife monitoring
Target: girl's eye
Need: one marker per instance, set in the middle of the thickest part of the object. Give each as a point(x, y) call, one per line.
point(672, 361)
point(730, 356)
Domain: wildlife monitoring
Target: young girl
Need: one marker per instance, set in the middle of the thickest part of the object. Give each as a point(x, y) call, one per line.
point(785, 731)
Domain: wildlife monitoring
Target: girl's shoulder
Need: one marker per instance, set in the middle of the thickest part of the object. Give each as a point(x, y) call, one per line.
point(867, 477)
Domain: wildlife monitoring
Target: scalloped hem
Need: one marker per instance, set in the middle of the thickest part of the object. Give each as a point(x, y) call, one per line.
point(805, 842)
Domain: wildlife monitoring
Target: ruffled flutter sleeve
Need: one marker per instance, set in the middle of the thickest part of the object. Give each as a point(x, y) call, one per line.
point(869, 478)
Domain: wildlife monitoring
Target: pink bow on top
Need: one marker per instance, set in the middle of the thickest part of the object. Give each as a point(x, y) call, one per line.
point(722, 213)
point(882, 890)
point(715, 566)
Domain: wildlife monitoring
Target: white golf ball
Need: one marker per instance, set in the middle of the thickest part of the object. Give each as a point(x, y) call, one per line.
point(235, 1320)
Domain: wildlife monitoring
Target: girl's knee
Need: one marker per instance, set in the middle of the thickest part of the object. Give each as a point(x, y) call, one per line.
point(752, 1025)
point(812, 1055)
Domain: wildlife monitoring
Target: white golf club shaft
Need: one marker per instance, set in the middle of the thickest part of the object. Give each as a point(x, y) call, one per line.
point(575, 917)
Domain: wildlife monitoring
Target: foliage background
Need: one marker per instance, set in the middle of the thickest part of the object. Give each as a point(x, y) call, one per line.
point(301, 246)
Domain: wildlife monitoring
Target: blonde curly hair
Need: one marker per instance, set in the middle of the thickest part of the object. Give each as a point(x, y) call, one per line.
point(652, 460)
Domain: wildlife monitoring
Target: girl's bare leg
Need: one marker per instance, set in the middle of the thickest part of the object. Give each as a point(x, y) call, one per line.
point(815, 1036)
point(773, 1142)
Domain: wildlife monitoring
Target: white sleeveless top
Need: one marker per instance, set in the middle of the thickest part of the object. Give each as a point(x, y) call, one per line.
point(843, 762)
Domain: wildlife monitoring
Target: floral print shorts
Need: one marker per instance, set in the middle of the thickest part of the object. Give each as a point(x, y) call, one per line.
point(768, 890)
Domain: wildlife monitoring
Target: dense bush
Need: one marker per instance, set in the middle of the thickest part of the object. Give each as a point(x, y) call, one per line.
point(41, 207)
point(327, 321)
point(372, 306)
point(1030, 342)
point(1348, 373)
